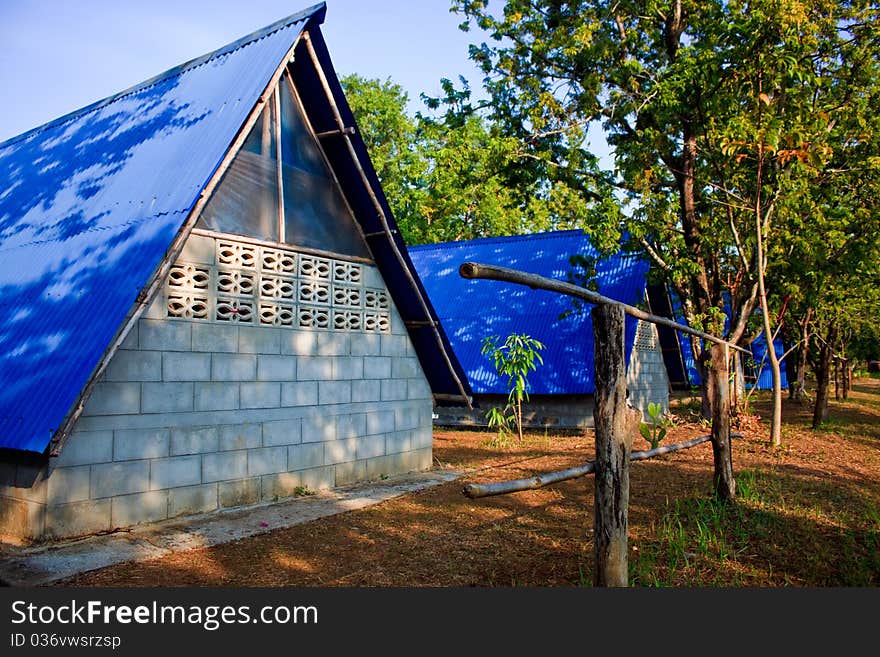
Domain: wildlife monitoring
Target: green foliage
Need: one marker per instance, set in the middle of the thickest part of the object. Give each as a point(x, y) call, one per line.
point(726, 119)
point(656, 430)
point(514, 359)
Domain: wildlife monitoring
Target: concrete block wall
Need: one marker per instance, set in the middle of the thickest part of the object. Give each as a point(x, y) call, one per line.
point(192, 416)
point(646, 377)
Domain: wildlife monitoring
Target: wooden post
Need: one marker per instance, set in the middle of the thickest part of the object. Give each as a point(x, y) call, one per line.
point(616, 423)
point(725, 485)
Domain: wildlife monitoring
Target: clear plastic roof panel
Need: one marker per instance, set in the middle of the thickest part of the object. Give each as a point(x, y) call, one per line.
point(315, 212)
point(245, 201)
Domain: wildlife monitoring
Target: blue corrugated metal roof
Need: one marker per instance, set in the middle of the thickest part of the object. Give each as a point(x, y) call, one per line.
point(472, 310)
point(763, 371)
point(90, 204)
point(758, 348)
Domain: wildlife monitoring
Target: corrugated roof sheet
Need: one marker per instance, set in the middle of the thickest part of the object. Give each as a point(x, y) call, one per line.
point(758, 348)
point(471, 310)
point(90, 204)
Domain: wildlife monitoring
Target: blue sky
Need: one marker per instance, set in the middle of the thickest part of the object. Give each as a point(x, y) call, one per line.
point(60, 55)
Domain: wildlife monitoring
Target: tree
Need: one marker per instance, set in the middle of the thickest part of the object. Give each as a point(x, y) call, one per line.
point(514, 358)
point(448, 178)
point(391, 137)
point(699, 154)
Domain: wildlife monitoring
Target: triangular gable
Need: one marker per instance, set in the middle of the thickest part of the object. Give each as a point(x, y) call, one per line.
point(116, 189)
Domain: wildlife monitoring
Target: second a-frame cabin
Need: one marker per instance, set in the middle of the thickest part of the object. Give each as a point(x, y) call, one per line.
point(208, 304)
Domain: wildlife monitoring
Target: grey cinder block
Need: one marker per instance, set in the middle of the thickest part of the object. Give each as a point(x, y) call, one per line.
point(418, 388)
point(307, 455)
point(83, 447)
point(406, 368)
point(314, 368)
point(165, 335)
point(192, 499)
point(233, 367)
point(370, 446)
point(282, 432)
point(240, 436)
point(198, 250)
point(394, 345)
point(194, 440)
point(68, 485)
point(220, 396)
point(365, 391)
point(281, 485)
point(135, 444)
point(377, 367)
point(78, 519)
point(351, 426)
point(276, 368)
point(368, 344)
point(301, 393)
point(334, 392)
point(406, 417)
point(224, 466)
point(259, 340)
point(217, 338)
point(422, 437)
point(394, 389)
point(175, 472)
point(299, 343)
point(379, 466)
point(348, 367)
point(266, 460)
point(186, 366)
point(112, 479)
point(111, 398)
point(260, 395)
point(167, 397)
point(318, 428)
point(399, 441)
point(340, 451)
point(130, 342)
point(348, 473)
point(134, 366)
point(239, 493)
point(129, 510)
point(380, 422)
point(319, 478)
point(333, 343)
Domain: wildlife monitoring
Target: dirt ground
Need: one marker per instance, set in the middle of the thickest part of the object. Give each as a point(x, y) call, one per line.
point(808, 514)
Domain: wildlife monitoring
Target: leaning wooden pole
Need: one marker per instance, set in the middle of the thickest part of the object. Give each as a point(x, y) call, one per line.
point(476, 491)
point(615, 425)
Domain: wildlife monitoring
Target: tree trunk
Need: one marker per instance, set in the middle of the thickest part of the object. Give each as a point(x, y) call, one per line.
point(738, 389)
point(776, 419)
point(836, 378)
point(724, 483)
point(519, 418)
point(803, 355)
point(823, 378)
point(615, 424)
point(707, 393)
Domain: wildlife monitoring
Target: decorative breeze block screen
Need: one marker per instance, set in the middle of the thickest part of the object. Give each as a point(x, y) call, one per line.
point(646, 337)
point(273, 286)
